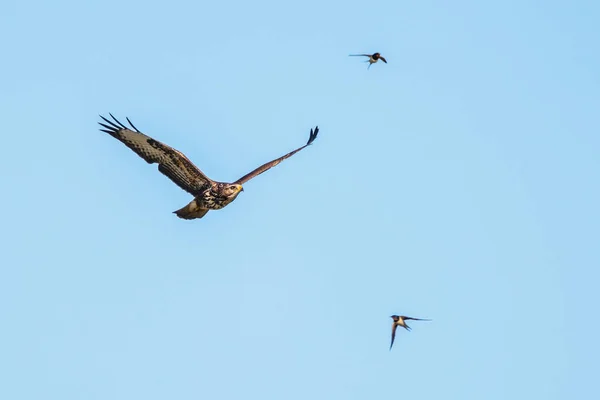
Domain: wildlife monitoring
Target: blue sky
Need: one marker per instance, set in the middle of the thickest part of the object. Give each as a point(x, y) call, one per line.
point(458, 182)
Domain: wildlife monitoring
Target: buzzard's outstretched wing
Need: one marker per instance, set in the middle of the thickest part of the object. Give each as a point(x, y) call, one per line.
point(170, 162)
point(271, 164)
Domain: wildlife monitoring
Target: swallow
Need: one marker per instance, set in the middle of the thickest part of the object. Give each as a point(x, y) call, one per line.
point(373, 58)
point(399, 320)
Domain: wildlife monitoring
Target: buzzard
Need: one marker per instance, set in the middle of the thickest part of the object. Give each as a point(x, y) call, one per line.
point(208, 194)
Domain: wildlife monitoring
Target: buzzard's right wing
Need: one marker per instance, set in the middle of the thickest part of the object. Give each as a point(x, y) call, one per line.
point(171, 162)
point(271, 164)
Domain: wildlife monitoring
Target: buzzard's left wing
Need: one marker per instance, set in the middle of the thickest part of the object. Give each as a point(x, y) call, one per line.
point(171, 162)
point(271, 164)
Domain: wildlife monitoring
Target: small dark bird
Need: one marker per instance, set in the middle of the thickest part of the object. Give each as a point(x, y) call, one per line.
point(399, 320)
point(373, 58)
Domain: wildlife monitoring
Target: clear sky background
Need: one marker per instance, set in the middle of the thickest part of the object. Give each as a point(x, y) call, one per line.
point(458, 182)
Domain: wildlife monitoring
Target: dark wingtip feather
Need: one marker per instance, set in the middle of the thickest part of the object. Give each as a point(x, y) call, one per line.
point(117, 121)
point(132, 125)
point(111, 125)
point(116, 125)
point(109, 129)
point(313, 135)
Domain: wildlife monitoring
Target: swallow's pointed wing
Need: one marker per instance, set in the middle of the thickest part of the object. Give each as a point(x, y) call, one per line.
point(359, 55)
point(394, 326)
point(271, 164)
point(415, 319)
point(383, 59)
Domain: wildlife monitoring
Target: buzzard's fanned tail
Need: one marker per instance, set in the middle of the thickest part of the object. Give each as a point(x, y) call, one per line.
point(191, 211)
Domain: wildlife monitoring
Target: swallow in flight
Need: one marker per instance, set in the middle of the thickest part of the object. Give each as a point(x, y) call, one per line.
point(399, 320)
point(373, 58)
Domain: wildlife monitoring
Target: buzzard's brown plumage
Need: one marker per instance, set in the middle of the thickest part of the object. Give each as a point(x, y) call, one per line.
point(208, 194)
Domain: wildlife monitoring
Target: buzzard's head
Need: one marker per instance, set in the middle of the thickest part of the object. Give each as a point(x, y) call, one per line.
point(232, 190)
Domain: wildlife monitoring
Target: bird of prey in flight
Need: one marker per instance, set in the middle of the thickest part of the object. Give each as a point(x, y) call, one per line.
point(399, 320)
point(373, 58)
point(208, 194)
